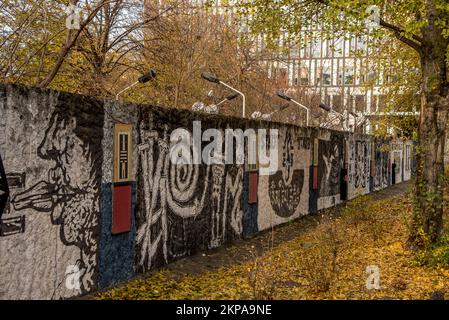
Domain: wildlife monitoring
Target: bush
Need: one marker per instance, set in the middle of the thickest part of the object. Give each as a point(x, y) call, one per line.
point(436, 255)
point(264, 277)
point(319, 262)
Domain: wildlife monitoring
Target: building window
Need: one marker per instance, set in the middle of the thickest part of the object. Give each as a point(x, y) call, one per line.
point(316, 48)
point(326, 78)
point(338, 47)
point(360, 103)
point(304, 75)
point(349, 75)
point(382, 102)
point(337, 102)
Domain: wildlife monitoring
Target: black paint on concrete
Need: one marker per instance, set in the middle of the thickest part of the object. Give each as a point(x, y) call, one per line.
point(4, 188)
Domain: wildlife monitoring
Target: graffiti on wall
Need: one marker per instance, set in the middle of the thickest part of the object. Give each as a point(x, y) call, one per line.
point(183, 207)
point(407, 157)
point(407, 161)
point(385, 169)
point(396, 160)
point(226, 191)
point(285, 186)
point(4, 188)
point(52, 164)
point(359, 167)
point(70, 193)
point(381, 160)
point(330, 164)
point(377, 181)
point(11, 224)
point(283, 195)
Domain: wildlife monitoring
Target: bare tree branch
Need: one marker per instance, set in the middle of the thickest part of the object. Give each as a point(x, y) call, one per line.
point(71, 40)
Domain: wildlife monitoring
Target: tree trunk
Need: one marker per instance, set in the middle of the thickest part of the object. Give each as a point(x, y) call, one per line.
point(427, 222)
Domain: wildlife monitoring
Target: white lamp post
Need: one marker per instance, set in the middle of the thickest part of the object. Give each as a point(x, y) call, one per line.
point(329, 109)
point(288, 98)
point(211, 78)
point(143, 79)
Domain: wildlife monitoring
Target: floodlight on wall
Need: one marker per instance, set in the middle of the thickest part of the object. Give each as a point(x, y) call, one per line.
point(228, 98)
point(198, 106)
point(214, 108)
point(212, 78)
point(264, 116)
point(256, 115)
point(325, 107)
point(142, 79)
point(353, 114)
point(269, 116)
point(329, 109)
point(284, 96)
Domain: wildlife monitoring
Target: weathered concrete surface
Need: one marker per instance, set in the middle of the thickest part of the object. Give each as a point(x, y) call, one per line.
point(58, 153)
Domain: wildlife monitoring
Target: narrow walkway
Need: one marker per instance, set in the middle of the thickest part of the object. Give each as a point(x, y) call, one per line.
point(243, 250)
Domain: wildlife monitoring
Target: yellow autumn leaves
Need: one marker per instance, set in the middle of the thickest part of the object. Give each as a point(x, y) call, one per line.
point(327, 261)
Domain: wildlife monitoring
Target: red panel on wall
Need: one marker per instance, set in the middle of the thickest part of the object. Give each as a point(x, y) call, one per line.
point(121, 209)
point(253, 186)
point(315, 178)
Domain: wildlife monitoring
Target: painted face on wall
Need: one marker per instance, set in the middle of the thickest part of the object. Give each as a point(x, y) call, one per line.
point(69, 183)
point(285, 186)
point(330, 164)
point(70, 193)
point(333, 165)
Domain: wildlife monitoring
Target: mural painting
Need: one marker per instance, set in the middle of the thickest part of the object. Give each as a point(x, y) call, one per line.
point(408, 147)
point(287, 196)
point(183, 207)
point(330, 164)
point(396, 154)
point(359, 166)
point(381, 163)
point(56, 189)
point(62, 202)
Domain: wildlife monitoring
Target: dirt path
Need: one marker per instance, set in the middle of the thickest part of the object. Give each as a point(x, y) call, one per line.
point(243, 250)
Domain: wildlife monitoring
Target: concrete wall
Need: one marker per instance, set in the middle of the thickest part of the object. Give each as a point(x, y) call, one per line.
point(284, 196)
point(57, 152)
point(331, 150)
point(359, 165)
point(381, 164)
point(51, 146)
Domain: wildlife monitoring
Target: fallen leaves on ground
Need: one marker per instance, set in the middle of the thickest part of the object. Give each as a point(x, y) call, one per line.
point(328, 261)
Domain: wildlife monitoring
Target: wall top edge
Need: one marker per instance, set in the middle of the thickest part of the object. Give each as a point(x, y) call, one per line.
point(240, 122)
